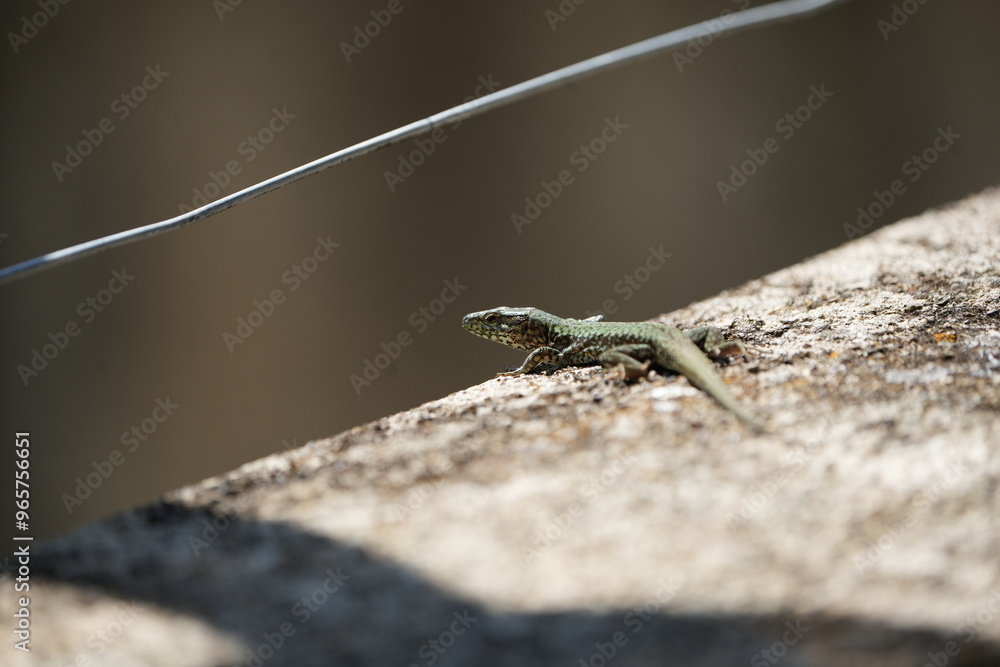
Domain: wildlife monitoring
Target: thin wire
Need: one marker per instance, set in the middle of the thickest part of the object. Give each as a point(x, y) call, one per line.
point(774, 12)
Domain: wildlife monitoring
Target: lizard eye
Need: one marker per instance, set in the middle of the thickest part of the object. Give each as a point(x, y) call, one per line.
point(491, 318)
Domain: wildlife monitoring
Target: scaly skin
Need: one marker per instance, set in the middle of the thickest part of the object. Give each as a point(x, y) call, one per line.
point(628, 347)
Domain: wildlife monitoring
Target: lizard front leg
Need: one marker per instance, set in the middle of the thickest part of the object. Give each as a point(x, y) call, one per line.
point(713, 343)
point(541, 355)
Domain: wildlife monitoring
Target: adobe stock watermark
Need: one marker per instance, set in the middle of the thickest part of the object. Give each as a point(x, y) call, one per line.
point(562, 12)
point(580, 159)
point(223, 7)
point(432, 650)
point(765, 491)
point(212, 530)
point(424, 147)
point(560, 522)
point(786, 127)
point(419, 320)
point(632, 282)
point(900, 14)
point(418, 495)
point(88, 310)
point(364, 34)
point(878, 547)
point(696, 47)
point(122, 107)
point(634, 621)
point(779, 649)
point(913, 169)
point(246, 152)
point(131, 439)
point(302, 611)
point(969, 629)
point(30, 25)
point(293, 277)
point(101, 640)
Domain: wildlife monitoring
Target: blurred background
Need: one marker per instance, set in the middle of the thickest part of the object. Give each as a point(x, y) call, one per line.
point(117, 114)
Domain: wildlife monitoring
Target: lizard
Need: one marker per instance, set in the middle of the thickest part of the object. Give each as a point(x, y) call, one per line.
point(630, 349)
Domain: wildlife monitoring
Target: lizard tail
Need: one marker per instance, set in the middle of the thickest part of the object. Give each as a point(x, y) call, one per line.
point(699, 370)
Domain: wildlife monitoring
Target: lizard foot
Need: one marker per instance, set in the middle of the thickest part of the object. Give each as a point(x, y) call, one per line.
point(730, 348)
point(630, 372)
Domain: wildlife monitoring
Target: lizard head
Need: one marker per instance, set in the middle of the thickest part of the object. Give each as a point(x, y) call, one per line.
point(519, 328)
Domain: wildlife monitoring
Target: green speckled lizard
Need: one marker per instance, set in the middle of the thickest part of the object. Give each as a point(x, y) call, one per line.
point(630, 348)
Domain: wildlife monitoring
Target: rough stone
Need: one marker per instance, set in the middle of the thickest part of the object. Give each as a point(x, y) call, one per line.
point(571, 519)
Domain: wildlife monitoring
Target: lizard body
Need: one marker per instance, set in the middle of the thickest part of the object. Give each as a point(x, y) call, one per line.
point(630, 348)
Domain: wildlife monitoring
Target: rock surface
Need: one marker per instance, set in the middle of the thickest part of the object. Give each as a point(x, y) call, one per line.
point(570, 519)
